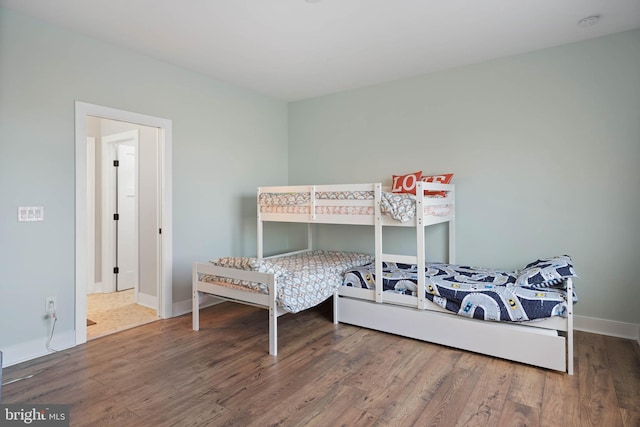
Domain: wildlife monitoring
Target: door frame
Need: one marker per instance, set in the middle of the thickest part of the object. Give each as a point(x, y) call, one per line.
point(108, 145)
point(92, 286)
point(165, 238)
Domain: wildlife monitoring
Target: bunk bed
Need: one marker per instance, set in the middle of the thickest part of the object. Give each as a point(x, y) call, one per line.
point(545, 342)
point(262, 281)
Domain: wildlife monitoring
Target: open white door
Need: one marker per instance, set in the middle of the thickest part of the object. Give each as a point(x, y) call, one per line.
point(127, 226)
point(120, 211)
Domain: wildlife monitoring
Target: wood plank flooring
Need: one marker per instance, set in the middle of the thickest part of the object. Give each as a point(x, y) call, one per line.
point(165, 374)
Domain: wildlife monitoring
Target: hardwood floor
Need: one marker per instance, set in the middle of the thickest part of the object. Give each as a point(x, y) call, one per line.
point(165, 374)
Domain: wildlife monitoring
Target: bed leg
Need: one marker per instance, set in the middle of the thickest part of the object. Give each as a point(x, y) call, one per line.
point(569, 339)
point(195, 298)
point(335, 308)
point(570, 326)
point(570, 352)
point(273, 332)
point(195, 313)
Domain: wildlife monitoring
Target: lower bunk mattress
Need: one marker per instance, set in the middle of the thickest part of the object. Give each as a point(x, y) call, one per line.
point(303, 280)
point(537, 291)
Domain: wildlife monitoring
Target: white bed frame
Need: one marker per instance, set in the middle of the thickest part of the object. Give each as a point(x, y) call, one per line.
point(236, 295)
point(545, 343)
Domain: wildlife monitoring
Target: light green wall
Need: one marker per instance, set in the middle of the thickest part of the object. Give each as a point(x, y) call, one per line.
point(544, 146)
point(226, 142)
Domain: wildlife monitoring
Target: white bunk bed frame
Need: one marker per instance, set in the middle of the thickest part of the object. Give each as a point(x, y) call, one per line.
point(546, 343)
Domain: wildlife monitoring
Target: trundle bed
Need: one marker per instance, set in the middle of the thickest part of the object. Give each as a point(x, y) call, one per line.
point(417, 310)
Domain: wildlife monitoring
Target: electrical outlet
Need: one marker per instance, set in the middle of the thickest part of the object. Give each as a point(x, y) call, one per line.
point(50, 305)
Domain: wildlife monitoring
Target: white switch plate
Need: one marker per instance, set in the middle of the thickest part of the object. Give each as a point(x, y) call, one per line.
point(31, 213)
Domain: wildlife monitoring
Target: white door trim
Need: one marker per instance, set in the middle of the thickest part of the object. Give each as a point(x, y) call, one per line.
point(82, 110)
point(92, 286)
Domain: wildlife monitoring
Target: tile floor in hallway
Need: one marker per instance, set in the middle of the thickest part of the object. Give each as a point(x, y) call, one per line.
point(114, 312)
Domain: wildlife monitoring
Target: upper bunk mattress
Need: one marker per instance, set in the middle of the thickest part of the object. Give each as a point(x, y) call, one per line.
point(480, 293)
point(399, 206)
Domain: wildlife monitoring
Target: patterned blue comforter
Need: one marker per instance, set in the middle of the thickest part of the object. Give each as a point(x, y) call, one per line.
point(535, 292)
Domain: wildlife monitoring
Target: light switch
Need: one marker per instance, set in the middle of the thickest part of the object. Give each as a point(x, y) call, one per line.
point(32, 213)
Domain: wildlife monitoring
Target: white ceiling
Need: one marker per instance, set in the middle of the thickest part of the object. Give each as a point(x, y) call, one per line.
point(296, 49)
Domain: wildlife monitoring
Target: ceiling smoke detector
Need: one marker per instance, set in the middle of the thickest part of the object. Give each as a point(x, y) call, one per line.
point(589, 21)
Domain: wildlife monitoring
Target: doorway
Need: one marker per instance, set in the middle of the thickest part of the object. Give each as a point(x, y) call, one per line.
point(123, 188)
point(143, 194)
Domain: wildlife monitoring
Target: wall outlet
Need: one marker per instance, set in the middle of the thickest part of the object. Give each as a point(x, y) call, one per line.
point(50, 305)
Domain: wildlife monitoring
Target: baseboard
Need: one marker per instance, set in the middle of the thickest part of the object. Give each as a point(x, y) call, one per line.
point(184, 307)
point(33, 349)
point(148, 301)
point(607, 327)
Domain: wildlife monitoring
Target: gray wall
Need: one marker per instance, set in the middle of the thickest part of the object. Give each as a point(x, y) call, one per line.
point(544, 147)
point(226, 142)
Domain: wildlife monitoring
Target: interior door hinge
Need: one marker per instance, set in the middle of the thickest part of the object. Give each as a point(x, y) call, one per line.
point(116, 163)
point(159, 230)
point(116, 270)
point(116, 217)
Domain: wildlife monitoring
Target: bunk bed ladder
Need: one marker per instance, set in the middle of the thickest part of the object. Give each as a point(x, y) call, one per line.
point(418, 259)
